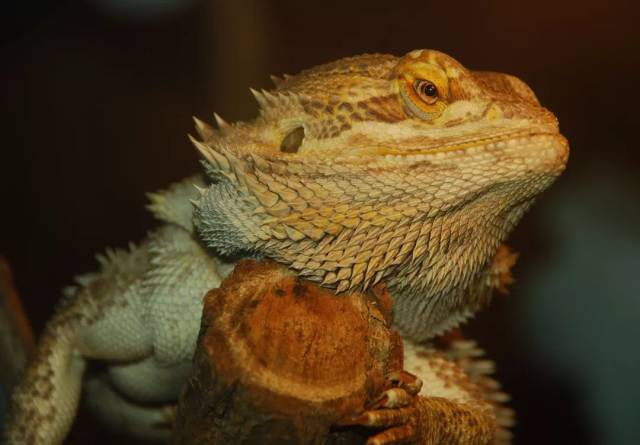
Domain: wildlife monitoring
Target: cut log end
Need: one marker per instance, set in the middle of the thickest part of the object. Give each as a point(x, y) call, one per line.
point(280, 360)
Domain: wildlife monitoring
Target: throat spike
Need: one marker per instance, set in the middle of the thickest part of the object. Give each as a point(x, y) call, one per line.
point(204, 130)
point(201, 190)
point(222, 124)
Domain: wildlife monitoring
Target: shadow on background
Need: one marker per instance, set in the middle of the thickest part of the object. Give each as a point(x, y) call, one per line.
point(98, 96)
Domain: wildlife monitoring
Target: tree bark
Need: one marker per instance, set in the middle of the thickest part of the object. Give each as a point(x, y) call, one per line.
point(17, 342)
point(281, 360)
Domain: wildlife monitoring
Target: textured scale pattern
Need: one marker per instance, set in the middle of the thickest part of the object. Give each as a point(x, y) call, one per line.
point(391, 206)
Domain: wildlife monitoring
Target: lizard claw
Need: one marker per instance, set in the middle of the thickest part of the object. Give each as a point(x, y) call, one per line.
point(382, 418)
point(393, 411)
point(406, 381)
point(403, 388)
point(393, 398)
point(395, 436)
point(398, 425)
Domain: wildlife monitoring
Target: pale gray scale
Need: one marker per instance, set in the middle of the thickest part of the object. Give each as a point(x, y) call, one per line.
point(424, 305)
point(438, 300)
point(149, 381)
point(183, 273)
point(173, 205)
point(45, 402)
point(120, 332)
point(225, 222)
point(118, 414)
point(405, 317)
point(420, 318)
point(104, 313)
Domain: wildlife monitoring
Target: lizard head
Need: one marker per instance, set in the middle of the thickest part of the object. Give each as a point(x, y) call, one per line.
point(411, 169)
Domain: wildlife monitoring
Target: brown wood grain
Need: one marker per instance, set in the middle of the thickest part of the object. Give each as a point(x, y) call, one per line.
point(280, 360)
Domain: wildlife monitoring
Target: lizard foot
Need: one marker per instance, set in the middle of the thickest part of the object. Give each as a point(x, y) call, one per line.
point(393, 412)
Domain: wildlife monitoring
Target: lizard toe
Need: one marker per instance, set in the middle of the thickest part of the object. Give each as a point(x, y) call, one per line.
point(398, 435)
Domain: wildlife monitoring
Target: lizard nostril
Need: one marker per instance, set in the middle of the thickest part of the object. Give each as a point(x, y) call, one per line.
point(292, 141)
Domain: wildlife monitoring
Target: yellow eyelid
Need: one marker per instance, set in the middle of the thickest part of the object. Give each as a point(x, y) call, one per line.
point(413, 70)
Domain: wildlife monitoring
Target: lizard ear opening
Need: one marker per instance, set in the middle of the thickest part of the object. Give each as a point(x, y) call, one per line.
point(292, 141)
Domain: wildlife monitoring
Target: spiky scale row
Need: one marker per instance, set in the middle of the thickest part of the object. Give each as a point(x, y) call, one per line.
point(272, 103)
point(222, 124)
point(422, 219)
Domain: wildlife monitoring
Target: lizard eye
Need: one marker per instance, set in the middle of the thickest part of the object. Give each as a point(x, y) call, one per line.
point(422, 85)
point(421, 98)
point(292, 141)
point(426, 90)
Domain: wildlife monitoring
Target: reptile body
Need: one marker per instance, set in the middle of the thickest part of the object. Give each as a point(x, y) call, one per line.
point(409, 170)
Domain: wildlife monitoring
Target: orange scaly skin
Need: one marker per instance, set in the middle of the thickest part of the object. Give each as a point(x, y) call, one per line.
point(411, 170)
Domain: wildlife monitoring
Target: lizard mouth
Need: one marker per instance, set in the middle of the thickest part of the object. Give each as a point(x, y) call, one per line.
point(506, 139)
point(542, 150)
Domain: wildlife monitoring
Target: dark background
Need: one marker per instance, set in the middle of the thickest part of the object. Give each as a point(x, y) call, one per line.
point(97, 97)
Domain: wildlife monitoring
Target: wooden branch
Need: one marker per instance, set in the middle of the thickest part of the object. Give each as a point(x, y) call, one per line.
point(280, 360)
point(17, 342)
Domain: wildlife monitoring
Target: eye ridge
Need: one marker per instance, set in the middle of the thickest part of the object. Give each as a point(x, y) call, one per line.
point(293, 140)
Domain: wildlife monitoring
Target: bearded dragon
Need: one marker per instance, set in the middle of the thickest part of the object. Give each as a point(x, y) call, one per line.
point(409, 170)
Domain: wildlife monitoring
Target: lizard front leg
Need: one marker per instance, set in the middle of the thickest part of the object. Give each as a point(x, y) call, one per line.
point(140, 315)
point(457, 404)
point(45, 401)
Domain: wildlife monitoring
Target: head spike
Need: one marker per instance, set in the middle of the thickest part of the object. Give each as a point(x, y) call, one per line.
point(222, 124)
point(277, 81)
point(262, 101)
point(204, 130)
point(272, 99)
point(212, 156)
point(202, 149)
